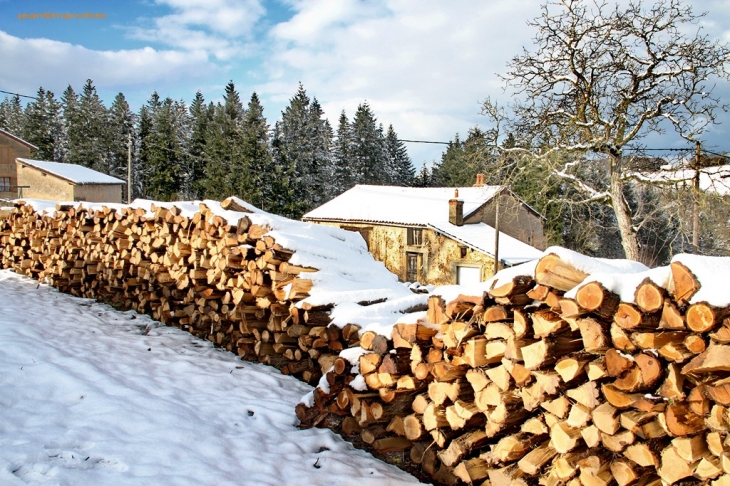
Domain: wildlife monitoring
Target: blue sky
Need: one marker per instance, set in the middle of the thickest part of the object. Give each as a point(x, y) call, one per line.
point(423, 66)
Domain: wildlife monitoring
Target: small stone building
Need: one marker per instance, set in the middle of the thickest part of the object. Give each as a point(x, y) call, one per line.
point(66, 182)
point(11, 147)
point(438, 235)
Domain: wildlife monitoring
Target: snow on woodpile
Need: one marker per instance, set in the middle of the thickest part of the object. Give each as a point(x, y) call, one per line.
point(346, 271)
point(625, 284)
point(711, 273)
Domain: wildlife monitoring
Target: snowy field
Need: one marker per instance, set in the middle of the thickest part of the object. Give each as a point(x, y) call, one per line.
point(92, 396)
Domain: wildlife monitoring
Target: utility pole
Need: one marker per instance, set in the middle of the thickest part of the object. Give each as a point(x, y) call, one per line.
point(496, 233)
point(129, 168)
point(696, 202)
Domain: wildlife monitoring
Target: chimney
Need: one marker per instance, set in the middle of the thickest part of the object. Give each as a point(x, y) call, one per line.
point(480, 180)
point(456, 210)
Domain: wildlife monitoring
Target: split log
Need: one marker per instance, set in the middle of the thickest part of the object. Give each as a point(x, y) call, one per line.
point(595, 298)
point(682, 421)
point(553, 272)
point(649, 297)
point(546, 351)
point(702, 317)
point(715, 358)
point(685, 283)
point(518, 285)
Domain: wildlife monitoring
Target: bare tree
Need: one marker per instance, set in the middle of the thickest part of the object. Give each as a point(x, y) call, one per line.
point(602, 77)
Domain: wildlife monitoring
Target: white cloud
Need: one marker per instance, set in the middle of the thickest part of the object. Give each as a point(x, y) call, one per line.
point(222, 28)
point(30, 63)
point(423, 66)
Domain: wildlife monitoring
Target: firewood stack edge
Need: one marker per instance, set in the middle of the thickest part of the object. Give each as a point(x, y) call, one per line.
point(549, 378)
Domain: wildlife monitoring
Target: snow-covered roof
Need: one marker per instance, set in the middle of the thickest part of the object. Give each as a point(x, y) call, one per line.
point(480, 237)
point(18, 139)
point(714, 179)
point(78, 174)
point(413, 206)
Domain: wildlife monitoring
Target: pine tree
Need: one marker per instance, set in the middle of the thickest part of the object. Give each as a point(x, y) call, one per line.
point(256, 156)
point(399, 168)
point(282, 199)
point(343, 178)
point(368, 156)
point(304, 145)
point(463, 160)
point(12, 118)
point(39, 124)
point(121, 134)
point(163, 152)
point(69, 114)
point(144, 134)
point(200, 117)
point(224, 148)
point(87, 131)
point(318, 173)
point(423, 179)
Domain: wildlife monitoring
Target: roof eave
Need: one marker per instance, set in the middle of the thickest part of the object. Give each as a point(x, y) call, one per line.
point(310, 219)
point(45, 171)
point(18, 139)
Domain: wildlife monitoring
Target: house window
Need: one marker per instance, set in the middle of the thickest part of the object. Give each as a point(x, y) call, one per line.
point(412, 267)
point(415, 236)
point(468, 275)
point(4, 184)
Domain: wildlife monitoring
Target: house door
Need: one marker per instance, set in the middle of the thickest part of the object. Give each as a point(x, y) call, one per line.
point(467, 275)
point(412, 272)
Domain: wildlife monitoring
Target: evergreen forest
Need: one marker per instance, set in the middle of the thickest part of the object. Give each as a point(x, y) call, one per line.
point(203, 150)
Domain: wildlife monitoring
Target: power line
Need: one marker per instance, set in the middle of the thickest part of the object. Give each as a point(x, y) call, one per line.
point(424, 141)
point(714, 153)
point(18, 94)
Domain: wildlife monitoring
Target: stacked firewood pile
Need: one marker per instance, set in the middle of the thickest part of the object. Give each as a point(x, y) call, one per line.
point(232, 284)
point(545, 380)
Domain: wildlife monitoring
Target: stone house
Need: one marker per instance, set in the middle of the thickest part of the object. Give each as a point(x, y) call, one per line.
point(56, 181)
point(438, 235)
point(11, 147)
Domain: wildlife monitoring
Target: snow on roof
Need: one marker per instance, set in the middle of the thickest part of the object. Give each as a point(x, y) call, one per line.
point(416, 206)
point(77, 174)
point(480, 237)
point(347, 273)
point(714, 179)
point(18, 139)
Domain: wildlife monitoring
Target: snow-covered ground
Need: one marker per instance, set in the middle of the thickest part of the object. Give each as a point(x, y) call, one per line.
point(92, 396)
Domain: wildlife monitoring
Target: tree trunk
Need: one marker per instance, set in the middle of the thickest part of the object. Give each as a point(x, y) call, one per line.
point(629, 239)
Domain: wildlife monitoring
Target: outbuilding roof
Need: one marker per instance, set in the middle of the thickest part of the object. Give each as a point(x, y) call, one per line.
point(77, 174)
point(18, 139)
